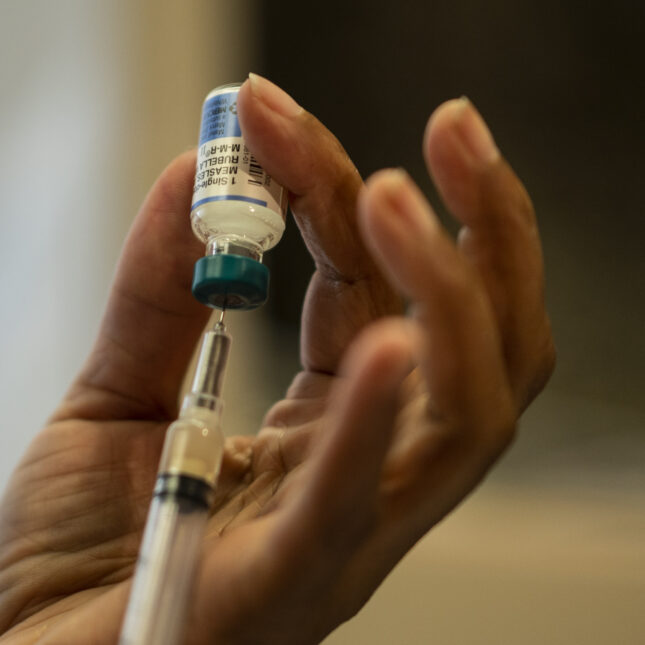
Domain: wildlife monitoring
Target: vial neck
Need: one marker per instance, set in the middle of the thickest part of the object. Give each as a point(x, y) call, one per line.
point(234, 245)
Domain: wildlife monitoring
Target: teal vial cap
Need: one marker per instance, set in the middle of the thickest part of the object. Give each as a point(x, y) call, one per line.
point(228, 281)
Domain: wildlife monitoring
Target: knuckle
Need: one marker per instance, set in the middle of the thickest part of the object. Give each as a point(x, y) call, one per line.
point(505, 435)
point(516, 195)
point(456, 283)
point(544, 366)
point(504, 197)
point(486, 434)
point(496, 437)
point(330, 161)
point(548, 362)
point(521, 201)
point(499, 429)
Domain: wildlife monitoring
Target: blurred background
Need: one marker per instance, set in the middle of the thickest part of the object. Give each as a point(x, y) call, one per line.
point(96, 98)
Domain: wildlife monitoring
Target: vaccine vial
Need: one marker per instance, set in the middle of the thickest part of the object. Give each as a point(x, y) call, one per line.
point(238, 210)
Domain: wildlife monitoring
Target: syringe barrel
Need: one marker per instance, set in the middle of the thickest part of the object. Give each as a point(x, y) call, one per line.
point(211, 365)
point(188, 472)
point(165, 572)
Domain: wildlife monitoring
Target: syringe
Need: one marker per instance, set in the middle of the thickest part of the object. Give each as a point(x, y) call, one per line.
point(183, 494)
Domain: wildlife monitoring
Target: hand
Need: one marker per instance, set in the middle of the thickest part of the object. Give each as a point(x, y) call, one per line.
point(392, 421)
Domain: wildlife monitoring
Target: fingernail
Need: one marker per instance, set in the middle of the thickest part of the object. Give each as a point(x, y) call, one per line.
point(401, 196)
point(474, 133)
point(273, 97)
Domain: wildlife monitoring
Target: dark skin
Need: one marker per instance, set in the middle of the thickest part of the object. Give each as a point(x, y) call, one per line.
point(392, 421)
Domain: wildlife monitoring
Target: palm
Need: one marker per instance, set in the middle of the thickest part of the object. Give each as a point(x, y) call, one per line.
point(83, 492)
point(363, 455)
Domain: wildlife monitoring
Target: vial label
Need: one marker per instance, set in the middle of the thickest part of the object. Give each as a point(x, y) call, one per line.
point(226, 169)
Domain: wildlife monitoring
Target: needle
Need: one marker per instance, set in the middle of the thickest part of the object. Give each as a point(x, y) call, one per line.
point(219, 326)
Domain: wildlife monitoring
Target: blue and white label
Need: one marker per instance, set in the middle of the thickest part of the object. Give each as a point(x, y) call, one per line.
point(219, 118)
point(226, 169)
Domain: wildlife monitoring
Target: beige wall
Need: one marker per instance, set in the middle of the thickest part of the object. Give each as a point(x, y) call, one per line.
point(96, 98)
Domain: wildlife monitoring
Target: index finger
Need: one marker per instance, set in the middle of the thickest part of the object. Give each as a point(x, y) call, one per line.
point(348, 290)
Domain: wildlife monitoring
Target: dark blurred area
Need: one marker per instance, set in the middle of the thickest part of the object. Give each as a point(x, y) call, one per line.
point(561, 86)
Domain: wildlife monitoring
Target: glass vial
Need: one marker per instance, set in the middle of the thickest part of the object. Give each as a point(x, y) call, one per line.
point(238, 210)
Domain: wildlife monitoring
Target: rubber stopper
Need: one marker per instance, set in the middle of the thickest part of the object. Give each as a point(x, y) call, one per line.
point(228, 281)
